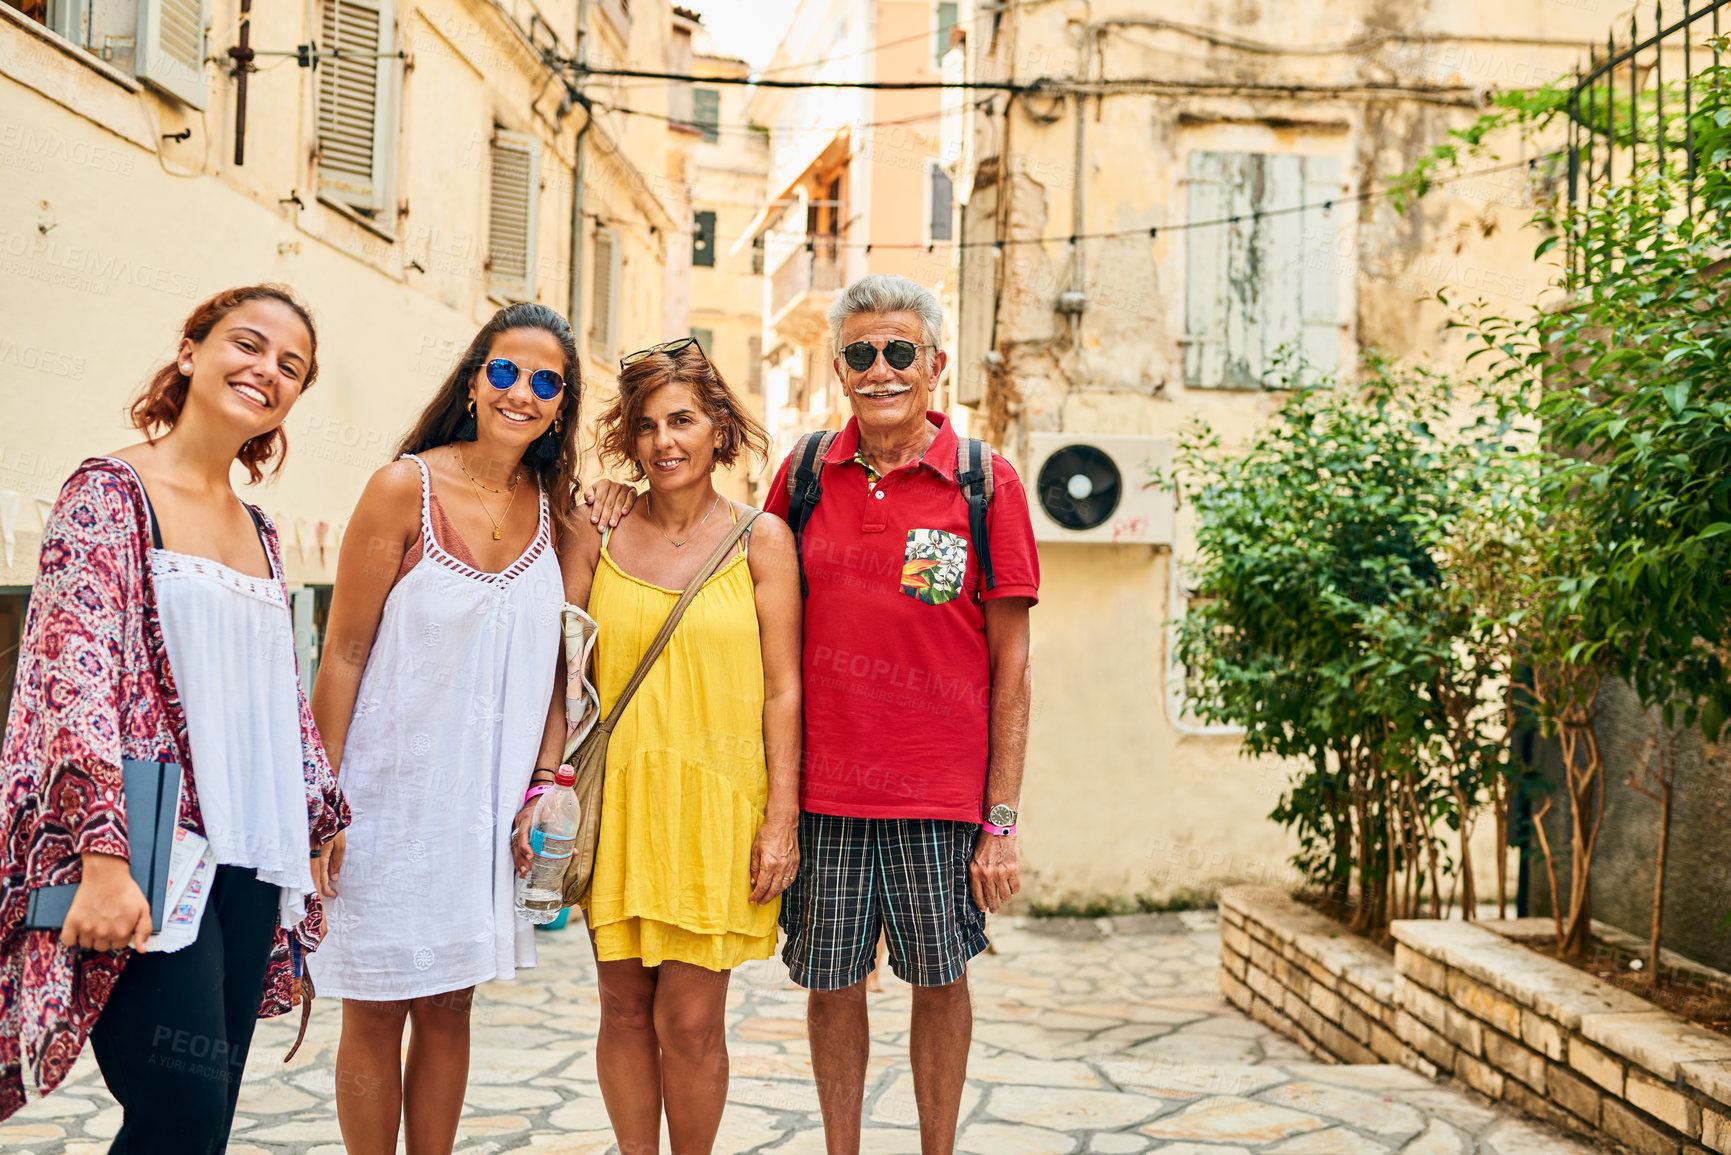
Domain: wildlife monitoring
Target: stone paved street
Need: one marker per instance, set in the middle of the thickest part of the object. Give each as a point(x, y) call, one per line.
point(1103, 1037)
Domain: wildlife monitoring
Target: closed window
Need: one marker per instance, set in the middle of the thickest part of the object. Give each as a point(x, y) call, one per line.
point(162, 42)
point(703, 240)
point(757, 255)
point(1267, 275)
point(604, 296)
point(946, 20)
point(514, 193)
point(355, 130)
point(939, 202)
point(706, 112)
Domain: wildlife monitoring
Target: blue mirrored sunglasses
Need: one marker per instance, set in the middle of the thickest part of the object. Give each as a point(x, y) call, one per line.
point(503, 373)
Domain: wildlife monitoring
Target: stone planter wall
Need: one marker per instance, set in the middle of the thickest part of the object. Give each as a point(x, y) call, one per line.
point(1460, 999)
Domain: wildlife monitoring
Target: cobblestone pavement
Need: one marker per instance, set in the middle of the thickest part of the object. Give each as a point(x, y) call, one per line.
point(1106, 1037)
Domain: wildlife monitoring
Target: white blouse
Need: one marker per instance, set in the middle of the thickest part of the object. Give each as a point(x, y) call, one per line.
point(231, 648)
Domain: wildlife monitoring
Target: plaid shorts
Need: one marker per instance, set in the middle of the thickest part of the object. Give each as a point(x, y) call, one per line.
point(905, 876)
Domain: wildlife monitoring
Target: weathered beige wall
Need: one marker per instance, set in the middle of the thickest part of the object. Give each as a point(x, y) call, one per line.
point(1119, 802)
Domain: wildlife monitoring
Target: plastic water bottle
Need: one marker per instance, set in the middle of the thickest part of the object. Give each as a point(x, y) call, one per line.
point(552, 835)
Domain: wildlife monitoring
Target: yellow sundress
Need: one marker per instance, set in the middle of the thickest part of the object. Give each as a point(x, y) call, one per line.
point(687, 783)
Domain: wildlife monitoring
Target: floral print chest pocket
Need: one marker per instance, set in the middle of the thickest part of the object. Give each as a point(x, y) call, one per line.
point(933, 566)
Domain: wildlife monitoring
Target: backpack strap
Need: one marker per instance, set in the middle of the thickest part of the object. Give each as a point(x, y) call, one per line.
point(804, 489)
point(974, 475)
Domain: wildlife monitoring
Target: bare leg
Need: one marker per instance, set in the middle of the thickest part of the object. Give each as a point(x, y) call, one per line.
point(840, 1035)
point(437, 1072)
point(691, 1028)
point(370, 1076)
point(942, 1028)
point(627, 1056)
point(873, 984)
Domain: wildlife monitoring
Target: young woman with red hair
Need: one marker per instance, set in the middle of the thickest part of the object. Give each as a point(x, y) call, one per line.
point(159, 604)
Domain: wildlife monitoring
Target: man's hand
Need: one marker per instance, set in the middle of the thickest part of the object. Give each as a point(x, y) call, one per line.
point(108, 910)
point(994, 876)
point(608, 502)
point(328, 863)
point(774, 859)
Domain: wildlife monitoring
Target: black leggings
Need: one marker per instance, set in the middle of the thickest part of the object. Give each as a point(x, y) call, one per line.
point(173, 1038)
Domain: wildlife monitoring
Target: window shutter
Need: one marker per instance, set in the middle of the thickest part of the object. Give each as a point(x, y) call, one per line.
point(1320, 294)
point(938, 224)
point(703, 240)
point(706, 112)
point(754, 363)
point(1264, 279)
point(603, 307)
point(946, 19)
point(355, 137)
point(171, 48)
point(511, 216)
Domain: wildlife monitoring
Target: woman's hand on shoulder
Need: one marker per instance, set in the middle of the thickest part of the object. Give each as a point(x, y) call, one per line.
point(606, 502)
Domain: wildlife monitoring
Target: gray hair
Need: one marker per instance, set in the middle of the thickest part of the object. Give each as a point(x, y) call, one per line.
point(886, 293)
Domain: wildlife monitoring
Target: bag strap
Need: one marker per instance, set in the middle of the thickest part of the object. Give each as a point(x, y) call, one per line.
point(804, 488)
point(673, 616)
point(974, 475)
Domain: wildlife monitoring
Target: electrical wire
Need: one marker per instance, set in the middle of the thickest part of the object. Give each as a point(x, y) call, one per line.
point(1151, 232)
point(933, 115)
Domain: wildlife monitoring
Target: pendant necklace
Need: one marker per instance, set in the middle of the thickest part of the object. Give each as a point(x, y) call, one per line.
point(498, 522)
point(694, 529)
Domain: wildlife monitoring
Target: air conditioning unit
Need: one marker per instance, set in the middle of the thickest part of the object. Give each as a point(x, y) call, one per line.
point(1100, 489)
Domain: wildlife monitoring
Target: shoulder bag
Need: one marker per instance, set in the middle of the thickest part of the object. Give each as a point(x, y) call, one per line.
point(590, 758)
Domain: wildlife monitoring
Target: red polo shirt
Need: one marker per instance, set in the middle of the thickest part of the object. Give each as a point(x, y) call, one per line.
point(897, 677)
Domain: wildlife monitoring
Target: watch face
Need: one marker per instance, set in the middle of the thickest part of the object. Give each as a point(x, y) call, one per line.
point(1001, 815)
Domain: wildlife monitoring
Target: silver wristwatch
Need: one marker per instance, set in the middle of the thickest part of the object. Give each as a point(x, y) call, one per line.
point(1001, 816)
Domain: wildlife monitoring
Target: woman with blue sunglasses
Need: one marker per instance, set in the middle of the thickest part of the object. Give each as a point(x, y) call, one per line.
point(435, 698)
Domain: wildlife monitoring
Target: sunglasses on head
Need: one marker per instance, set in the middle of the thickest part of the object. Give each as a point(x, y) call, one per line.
point(669, 347)
point(861, 355)
point(502, 373)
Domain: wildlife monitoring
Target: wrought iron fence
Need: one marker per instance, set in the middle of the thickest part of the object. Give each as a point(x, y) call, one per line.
point(1634, 110)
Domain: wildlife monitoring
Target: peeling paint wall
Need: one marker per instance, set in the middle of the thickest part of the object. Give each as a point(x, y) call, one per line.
point(1367, 84)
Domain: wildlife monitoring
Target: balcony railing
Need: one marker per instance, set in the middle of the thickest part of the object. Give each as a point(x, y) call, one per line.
point(1636, 110)
point(815, 268)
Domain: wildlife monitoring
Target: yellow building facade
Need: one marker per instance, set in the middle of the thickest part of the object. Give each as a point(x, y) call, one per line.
point(855, 185)
point(434, 165)
point(1280, 127)
point(729, 171)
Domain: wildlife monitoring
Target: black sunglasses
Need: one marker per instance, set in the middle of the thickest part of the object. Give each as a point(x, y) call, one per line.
point(503, 373)
point(669, 347)
point(900, 354)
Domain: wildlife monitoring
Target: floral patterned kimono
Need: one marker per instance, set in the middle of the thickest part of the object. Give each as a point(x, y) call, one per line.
point(93, 686)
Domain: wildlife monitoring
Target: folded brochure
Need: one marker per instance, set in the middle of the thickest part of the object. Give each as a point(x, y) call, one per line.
point(191, 868)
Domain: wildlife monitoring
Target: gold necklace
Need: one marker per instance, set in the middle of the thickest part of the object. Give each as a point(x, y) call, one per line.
point(516, 476)
point(498, 522)
point(694, 529)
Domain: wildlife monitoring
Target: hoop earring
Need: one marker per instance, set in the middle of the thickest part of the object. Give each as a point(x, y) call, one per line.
point(467, 430)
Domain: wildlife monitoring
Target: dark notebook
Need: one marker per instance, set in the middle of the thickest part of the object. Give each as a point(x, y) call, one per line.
point(152, 800)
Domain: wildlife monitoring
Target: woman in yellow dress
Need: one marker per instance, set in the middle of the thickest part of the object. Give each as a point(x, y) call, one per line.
point(700, 807)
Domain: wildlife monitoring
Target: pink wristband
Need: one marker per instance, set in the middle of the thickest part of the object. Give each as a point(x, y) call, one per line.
point(529, 795)
point(989, 828)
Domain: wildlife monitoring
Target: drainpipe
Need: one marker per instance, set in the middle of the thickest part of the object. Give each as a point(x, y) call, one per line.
point(575, 312)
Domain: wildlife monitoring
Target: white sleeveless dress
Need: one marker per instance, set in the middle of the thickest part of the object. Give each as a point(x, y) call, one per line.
point(446, 731)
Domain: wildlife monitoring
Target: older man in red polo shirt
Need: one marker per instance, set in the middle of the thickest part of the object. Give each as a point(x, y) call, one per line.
point(916, 713)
